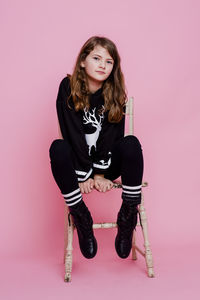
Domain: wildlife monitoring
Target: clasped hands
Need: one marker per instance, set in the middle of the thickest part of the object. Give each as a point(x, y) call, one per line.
point(99, 183)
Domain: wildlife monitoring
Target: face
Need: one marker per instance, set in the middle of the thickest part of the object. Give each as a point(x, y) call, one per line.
point(98, 65)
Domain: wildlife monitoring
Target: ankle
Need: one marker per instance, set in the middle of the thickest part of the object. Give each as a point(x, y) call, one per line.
point(76, 206)
point(129, 206)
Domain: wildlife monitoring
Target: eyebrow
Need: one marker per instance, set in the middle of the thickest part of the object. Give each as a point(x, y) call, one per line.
point(101, 56)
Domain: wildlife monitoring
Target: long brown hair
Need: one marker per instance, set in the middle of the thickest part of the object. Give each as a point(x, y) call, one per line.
point(114, 93)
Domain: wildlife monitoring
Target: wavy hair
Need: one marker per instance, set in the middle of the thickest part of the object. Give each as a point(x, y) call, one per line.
point(114, 93)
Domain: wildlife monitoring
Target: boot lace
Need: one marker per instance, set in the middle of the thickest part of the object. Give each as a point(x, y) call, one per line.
point(83, 222)
point(127, 220)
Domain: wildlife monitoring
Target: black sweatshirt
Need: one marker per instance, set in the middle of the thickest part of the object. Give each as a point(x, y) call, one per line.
point(89, 133)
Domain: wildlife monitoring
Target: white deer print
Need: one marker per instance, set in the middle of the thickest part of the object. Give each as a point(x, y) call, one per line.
point(94, 120)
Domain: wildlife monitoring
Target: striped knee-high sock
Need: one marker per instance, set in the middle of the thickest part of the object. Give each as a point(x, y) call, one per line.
point(132, 193)
point(73, 198)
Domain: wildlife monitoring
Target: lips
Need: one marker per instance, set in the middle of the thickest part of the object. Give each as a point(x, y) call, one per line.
point(101, 72)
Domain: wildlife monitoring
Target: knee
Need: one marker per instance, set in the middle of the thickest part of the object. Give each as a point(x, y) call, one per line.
point(131, 145)
point(131, 141)
point(59, 148)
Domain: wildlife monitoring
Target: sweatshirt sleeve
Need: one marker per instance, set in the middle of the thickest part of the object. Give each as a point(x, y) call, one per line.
point(72, 130)
point(109, 135)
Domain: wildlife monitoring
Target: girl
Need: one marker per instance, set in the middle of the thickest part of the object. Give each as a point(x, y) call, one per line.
point(92, 150)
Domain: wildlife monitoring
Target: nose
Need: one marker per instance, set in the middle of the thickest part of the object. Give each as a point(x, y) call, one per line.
point(102, 64)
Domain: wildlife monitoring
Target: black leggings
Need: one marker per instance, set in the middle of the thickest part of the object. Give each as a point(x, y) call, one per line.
point(126, 161)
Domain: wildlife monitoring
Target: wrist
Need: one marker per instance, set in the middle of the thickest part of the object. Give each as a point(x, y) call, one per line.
point(98, 176)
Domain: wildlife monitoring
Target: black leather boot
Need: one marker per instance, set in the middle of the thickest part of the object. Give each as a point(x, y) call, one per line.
point(83, 222)
point(126, 221)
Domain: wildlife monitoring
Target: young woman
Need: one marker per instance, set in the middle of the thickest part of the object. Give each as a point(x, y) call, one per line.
point(92, 150)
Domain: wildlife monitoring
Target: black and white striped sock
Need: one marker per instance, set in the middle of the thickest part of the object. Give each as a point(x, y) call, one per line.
point(132, 193)
point(73, 197)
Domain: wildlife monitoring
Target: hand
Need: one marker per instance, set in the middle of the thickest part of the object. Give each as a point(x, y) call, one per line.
point(86, 186)
point(102, 184)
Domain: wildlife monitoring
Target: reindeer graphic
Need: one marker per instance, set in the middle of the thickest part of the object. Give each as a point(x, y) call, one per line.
point(94, 121)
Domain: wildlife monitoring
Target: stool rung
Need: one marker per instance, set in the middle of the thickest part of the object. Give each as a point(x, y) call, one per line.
point(104, 225)
point(139, 250)
point(118, 185)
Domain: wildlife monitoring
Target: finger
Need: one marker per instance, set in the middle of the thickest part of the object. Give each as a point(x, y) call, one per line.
point(81, 188)
point(96, 184)
point(86, 188)
point(106, 186)
point(110, 186)
point(91, 182)
point(89, 187)
point(102, 187)
point(99, 186)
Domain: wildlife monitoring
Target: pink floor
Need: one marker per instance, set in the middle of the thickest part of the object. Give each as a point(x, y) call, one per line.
point(104, 277)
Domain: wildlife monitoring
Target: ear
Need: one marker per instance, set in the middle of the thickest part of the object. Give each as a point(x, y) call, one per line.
point(82, 64)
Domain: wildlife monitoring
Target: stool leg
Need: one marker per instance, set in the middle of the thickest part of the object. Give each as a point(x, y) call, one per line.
point(68, 257)
point(148, 253)
point(65, 231)
point(134, 255)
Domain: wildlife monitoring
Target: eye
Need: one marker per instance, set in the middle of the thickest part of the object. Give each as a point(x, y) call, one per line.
point(95, 57)
point(110, 62)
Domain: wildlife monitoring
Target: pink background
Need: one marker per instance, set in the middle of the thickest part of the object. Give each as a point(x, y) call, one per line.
point(159, 45)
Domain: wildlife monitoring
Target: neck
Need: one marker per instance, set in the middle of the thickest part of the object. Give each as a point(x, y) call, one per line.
point(94, 85)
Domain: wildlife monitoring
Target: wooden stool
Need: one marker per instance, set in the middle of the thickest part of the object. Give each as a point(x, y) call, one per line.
point(69, 224)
